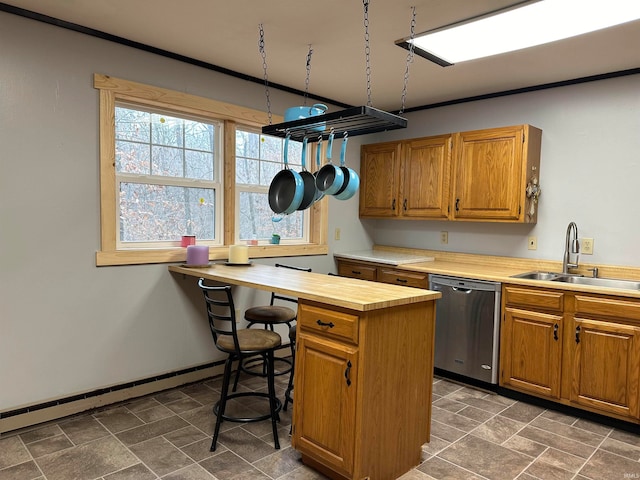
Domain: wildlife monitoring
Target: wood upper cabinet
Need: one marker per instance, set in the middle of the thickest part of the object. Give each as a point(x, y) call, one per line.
point(480, 175)
point(406, 179)
point(604, 349)
point(531, 341)
point(491, 169)
point(380, 179)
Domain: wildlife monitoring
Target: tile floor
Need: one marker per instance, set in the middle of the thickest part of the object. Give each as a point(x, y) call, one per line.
point(474, 435)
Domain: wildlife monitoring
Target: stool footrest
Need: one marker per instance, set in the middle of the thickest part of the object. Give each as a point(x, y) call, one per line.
point(247, 419)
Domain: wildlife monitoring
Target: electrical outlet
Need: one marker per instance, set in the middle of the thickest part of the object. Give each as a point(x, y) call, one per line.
point(444, 237)
point(532, 243)
point(337, 234)
point(586, 246)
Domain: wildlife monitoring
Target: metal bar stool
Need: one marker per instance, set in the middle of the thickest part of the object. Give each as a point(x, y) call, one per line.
point(239, 344)
point(270, 316)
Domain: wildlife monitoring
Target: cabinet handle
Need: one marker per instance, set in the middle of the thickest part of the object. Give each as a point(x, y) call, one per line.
point(578, 334)
point(404, 205)
point(323, 324)
point(393, 204)
point(401, 280)
point(356, 272)
point(457, 204)
point(555, 332)
point(347, 373)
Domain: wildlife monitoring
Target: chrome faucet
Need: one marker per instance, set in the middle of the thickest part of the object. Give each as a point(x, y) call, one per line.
point(572, 246)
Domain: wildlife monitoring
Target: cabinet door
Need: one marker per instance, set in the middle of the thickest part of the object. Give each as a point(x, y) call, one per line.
point(425, 189)
point(325, 407)
point(531, 352)
point(379, 180)
point(487, 174)
point(606, 363)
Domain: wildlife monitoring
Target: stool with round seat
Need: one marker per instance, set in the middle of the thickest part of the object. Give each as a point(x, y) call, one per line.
point(239, 344)
point(269, 316)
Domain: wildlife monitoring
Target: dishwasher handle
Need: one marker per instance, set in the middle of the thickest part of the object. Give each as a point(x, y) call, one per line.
point(462, 290)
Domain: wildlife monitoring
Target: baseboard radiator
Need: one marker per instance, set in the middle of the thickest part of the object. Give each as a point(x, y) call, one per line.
point(27, 416)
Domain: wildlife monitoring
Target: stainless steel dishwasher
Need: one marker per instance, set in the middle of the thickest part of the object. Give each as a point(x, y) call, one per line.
point(467, 327)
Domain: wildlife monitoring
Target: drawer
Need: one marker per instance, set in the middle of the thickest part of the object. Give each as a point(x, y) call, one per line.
point(357, 270)
point(341, 326)
point(608, 307)
point(526, 297)
point(403, 277)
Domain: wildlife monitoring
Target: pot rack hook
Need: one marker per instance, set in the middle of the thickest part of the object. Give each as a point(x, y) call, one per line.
point(263, 53)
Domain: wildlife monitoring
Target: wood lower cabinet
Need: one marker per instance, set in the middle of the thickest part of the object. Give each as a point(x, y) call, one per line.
point(531, 340)
point(577, 349)
point(357, 270)
point(532, 352)
point(363, 385)
point(604, 352)
point(382, 273)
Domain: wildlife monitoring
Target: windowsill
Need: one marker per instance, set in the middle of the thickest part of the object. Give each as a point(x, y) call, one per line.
point(179, 254)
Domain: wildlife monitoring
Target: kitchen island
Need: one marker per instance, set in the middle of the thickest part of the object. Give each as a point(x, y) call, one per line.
point(364, 368)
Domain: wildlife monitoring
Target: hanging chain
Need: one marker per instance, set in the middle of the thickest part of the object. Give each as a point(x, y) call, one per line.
point(409, 59)
point(264, 66)
point(306, 82)
point(367, 50)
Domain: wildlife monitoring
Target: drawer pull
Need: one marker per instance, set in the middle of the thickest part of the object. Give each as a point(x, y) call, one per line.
point(347, 373)
point(324, 324)
point(356, 272)
point(401, 280)
point(555, 332)
point(578, 334)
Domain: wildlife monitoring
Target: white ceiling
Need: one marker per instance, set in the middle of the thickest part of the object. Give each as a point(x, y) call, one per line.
point(225, 33)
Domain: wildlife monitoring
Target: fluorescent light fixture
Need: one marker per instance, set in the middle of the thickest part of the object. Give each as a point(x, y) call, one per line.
point(524, 25)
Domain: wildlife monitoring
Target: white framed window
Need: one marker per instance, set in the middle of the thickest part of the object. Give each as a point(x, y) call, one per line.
point(168, 178)
point(168, 168)
point(258, 159)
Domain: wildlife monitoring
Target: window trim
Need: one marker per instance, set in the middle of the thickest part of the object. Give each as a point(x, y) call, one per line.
point(112, 90)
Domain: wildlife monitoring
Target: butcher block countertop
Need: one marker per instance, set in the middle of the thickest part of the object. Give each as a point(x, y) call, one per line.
point(499, 269)
point(337, 291)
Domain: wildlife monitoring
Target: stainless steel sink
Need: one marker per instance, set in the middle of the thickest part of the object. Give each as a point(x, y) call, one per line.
point(537, 275)
point(600, 282)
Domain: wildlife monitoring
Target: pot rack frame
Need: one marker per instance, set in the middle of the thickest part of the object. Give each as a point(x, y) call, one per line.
point(353, 121)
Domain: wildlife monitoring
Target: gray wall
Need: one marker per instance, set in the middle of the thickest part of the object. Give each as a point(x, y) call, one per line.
point(67, 326)
point(589, 173)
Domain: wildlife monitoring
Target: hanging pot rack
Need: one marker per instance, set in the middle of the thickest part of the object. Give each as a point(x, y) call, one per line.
point(353, 121)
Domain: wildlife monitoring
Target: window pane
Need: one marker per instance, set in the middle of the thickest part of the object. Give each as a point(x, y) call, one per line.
point(199, 165)
point(132, 125)
point(165, 213)
point(270, 148)
point(198, 136)
point(247, 144)
point(132, 158)
point(166, 130)
point(268, 171)
point(247, 171)
point(256, 219)
point(166, 161)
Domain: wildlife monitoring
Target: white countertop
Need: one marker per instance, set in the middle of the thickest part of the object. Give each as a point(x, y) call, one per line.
point(383, 256)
